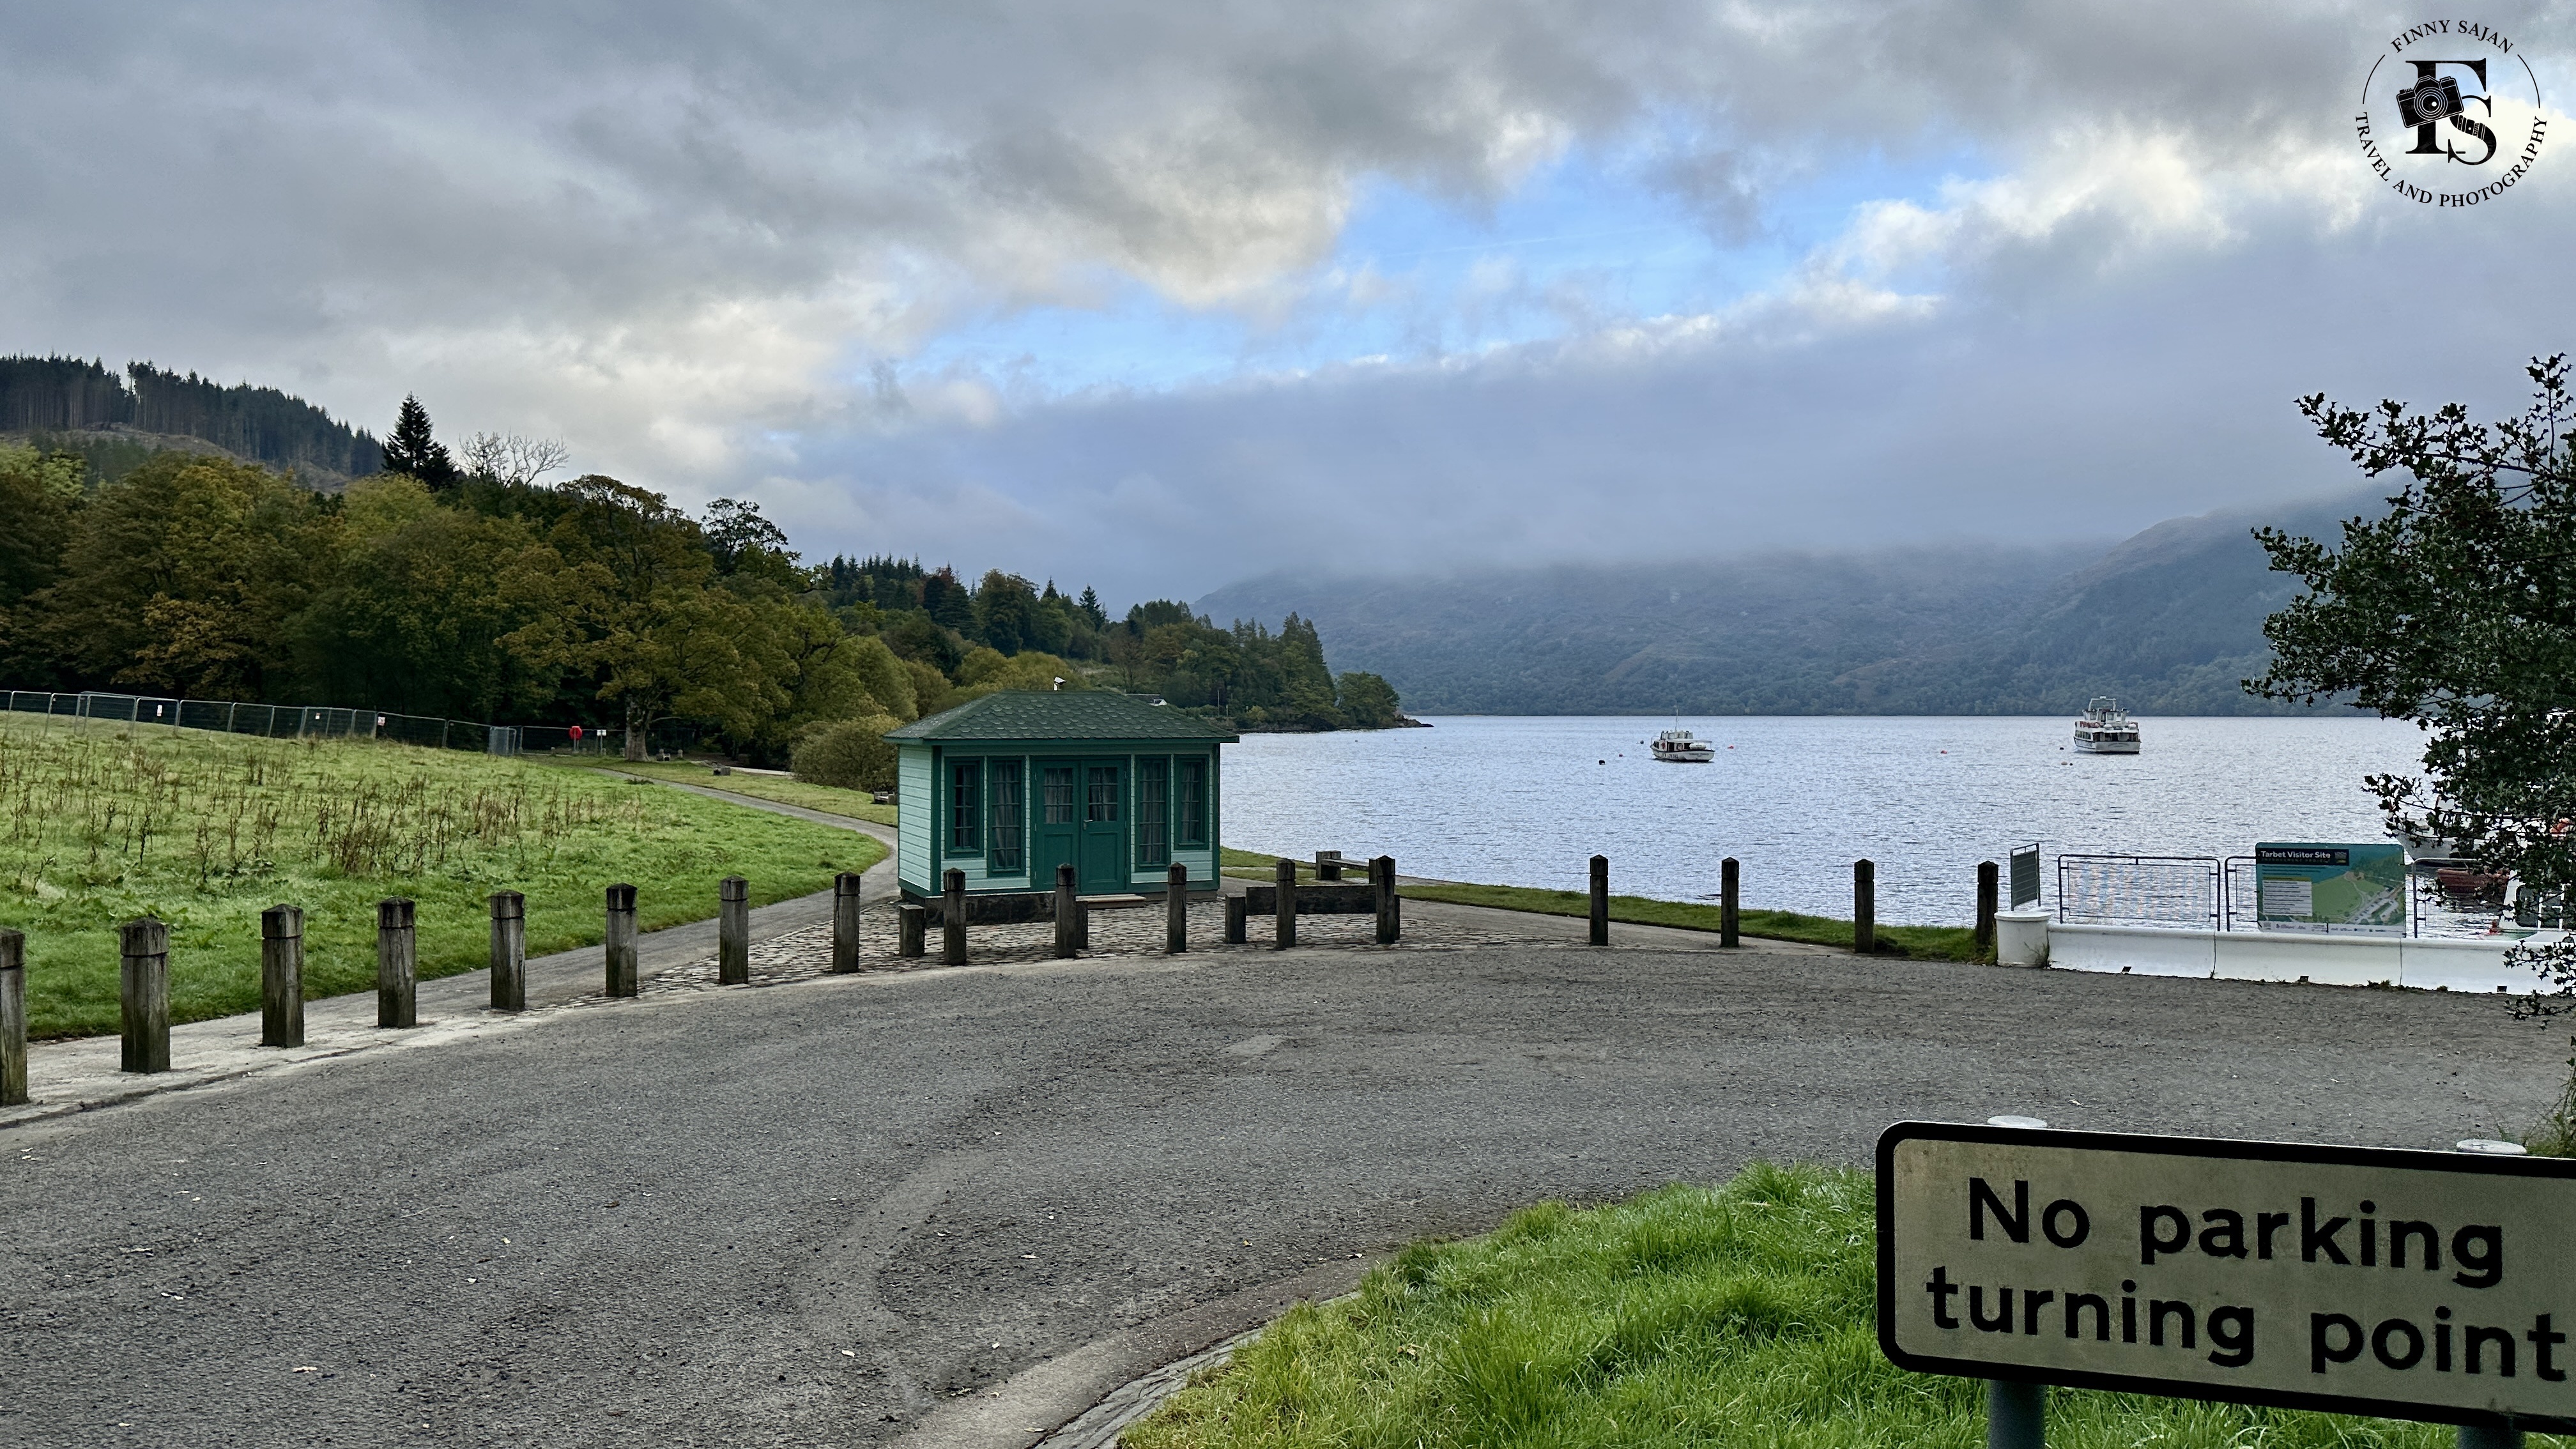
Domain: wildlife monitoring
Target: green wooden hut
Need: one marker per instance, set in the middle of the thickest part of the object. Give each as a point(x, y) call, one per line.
point(1009, 786)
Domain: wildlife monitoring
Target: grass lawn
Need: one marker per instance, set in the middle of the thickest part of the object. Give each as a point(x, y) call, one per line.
point(856, 804)
point(1740, 1316)
point(102, 822)
point(1937, 943)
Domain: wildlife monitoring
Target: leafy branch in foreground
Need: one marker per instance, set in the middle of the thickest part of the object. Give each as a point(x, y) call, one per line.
point(2457, 610)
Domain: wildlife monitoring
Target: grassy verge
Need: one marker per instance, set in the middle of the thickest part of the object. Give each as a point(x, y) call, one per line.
point(856, 804)
point(1937, 943)
point(1934, 943)
point(102, 823)
point(1740, 1316)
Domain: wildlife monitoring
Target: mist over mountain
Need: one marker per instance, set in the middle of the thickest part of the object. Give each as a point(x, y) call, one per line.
point(2168, 619)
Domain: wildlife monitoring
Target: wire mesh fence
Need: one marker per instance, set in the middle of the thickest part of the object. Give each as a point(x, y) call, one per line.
point(280, 721)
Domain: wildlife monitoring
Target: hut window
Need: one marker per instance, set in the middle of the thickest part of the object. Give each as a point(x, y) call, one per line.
point(1059, 795)
point(1006, 819)
point(1193, 802)
point(1153, 784)
point(1104, 793)
point(966, 807)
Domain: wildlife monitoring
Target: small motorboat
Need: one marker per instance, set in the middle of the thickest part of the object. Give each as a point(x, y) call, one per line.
point(1678, 747)
point(2106, 729)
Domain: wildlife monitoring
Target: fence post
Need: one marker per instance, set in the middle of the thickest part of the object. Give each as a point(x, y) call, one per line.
point(1864, 906)
point(1390, 924)
point(1989, 886)
point(1068, 930)
point(733, 931)
point(281, 976)
point(143, 982)
point(13, 1016)
point(1328, 865)
point(952, 918)
point(1600, 900)
point(1238, 913)
point(620, 945)
point(1283, 933)
point(1176, 909)
point(397, 965)
point(910, 927)
point(1730, 903)
point(509, 951)
point(845, 923)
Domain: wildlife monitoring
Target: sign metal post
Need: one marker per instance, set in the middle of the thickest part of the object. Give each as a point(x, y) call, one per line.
point(2404, 1284)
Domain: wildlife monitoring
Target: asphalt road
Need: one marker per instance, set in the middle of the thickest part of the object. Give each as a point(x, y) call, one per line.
point(816, 1213)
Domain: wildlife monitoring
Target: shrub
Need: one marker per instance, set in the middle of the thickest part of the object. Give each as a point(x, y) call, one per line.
point(850, 753)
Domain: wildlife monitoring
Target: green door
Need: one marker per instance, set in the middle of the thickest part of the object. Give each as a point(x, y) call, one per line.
point(1104, 827)
point(1056, 829)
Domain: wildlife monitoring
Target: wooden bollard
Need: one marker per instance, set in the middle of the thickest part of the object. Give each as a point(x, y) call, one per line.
point(281, 976)
point(733, 931)
point(1390, 924)
point(1328, 865)
point(509, 951)
point(143, 989)
point(397, 965)
point(1284, 928)
point(1864, 907)
point(1600, 900)
point(1989, 886)
point(911, 929)
point(952, 918)
point(619, 950)
point(1730, 904)
point(1238, 918)
point(13, 1018)
point(1176, 909)
point(845, 923)
point(1068, 925)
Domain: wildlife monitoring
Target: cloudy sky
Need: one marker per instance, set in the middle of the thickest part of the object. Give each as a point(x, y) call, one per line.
point(1161, 295)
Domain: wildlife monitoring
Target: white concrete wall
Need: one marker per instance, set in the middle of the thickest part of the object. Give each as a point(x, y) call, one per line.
point(2319, 960)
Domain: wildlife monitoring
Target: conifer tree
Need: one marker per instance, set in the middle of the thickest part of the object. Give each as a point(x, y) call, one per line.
point(412, 449)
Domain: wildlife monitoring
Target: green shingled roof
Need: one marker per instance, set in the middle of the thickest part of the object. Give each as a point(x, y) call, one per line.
point(1080, 714)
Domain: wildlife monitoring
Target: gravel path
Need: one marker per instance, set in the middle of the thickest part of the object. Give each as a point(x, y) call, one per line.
point(821, 1212)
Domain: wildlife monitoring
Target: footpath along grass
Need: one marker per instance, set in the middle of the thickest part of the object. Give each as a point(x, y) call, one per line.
point(1687, 1317)
point(101, 823)
point(1934, 943)
point(855, 804)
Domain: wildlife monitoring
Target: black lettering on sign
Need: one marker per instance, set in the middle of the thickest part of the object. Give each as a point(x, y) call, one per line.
point(2313, 1238)
point(2174, 1240)
point(2015, 1220)
point(2231, 1336)
point(2066, 1210)
point(2479, 1252)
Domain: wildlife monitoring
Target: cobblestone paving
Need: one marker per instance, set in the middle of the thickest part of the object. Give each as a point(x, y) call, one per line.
point(1136, 931)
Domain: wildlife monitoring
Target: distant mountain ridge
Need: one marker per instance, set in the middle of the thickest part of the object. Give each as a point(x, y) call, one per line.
point(2169, 620)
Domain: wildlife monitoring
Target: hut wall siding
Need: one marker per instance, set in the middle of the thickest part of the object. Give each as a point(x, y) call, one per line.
point(916, 813)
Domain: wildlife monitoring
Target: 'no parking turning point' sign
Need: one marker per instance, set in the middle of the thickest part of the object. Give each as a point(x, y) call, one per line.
point(2416, 1285)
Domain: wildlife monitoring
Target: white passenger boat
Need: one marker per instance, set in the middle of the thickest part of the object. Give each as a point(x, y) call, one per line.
point(2106, 729)
point(1677, 747)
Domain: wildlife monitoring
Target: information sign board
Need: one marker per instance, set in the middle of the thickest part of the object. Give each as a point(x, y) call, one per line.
point(2338, 889)
point(2417, 1285)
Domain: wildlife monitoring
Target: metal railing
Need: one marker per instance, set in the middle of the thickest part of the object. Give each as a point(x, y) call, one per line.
point(2188, 891)
point(273, 721)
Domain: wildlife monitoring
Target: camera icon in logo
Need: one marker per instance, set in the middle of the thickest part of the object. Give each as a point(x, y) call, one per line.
point(2428, 101)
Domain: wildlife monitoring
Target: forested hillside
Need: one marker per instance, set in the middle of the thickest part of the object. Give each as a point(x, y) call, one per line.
point(65, 404)
point(2169, 620)
point(456, 591)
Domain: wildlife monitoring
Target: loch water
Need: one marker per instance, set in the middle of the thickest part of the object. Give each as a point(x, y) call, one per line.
point(1529, 800)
